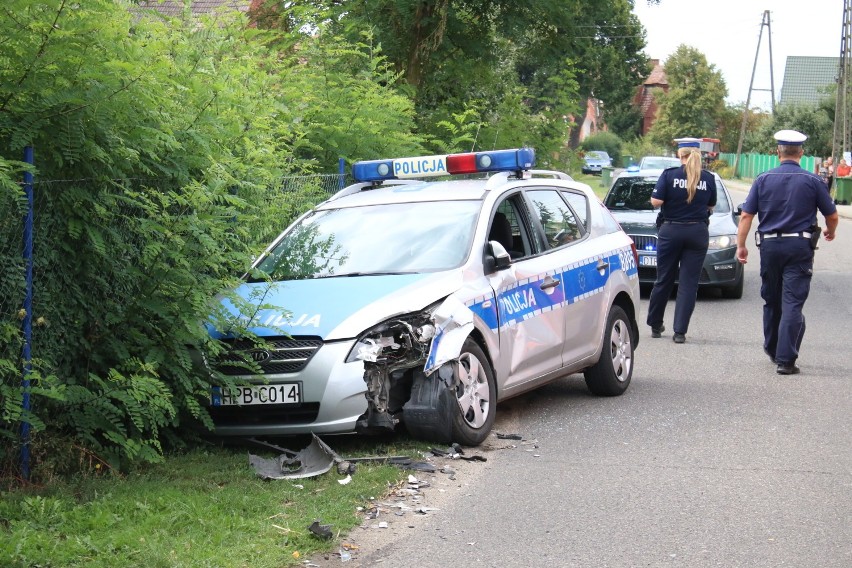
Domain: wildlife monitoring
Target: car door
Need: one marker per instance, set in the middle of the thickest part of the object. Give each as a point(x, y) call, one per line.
point(530, 300)
point(583, 270)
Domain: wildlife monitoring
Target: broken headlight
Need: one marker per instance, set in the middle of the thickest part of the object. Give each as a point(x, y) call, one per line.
point(404, 337)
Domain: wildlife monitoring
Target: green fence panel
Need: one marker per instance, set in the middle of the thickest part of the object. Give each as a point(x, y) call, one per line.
point(752, 165)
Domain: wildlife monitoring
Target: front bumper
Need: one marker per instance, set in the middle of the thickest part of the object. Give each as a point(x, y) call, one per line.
point(721, 269)
point(333, 399)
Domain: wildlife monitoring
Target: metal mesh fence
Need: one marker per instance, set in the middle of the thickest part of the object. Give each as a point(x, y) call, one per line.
point(113, 226)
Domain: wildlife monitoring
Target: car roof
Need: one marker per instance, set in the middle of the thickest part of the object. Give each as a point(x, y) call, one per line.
point(414, 191)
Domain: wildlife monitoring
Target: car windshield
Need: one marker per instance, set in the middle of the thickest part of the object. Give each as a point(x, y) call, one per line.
point(634, 193)
point(596, 156)
point(631, 193)
point(379, 239)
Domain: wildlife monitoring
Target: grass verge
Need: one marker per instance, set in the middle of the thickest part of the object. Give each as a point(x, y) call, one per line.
point(203, 507)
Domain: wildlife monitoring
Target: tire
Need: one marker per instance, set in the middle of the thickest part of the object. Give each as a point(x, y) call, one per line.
point(475, 394)
point(735, 292)
point(610, 376)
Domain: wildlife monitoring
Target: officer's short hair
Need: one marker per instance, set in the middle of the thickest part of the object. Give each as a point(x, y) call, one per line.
point(790, 150)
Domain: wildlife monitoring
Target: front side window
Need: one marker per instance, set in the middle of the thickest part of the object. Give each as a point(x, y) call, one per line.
point(377, 239)
point(559, 222)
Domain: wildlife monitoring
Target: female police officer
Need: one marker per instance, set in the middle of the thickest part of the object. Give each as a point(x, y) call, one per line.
point(786, 200)
point(687, 195)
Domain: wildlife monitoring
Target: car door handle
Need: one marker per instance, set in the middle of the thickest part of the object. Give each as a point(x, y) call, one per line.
point(602, 265)
point(548, 284)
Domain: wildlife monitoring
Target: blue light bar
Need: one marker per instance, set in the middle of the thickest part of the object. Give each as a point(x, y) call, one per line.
point(431, 166)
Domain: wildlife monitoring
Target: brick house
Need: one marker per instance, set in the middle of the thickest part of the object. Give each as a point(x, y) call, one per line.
point(644, 98)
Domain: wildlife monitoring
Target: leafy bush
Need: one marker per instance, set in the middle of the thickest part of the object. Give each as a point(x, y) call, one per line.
point(175, 137)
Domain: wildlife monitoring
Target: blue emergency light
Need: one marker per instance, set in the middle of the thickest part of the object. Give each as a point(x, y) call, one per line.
point(432, 166)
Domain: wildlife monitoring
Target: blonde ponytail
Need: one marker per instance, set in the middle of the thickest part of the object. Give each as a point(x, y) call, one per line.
point(693, 170)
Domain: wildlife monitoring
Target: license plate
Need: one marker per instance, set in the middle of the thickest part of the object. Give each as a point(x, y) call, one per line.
point(648, 260)
point(286, 393)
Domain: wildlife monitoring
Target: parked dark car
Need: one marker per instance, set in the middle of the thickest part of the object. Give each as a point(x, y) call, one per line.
point(629, 200)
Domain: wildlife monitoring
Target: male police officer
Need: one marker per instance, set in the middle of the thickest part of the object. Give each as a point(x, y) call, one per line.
point(786, 200)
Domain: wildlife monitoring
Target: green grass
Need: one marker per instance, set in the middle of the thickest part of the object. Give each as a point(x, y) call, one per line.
point(593, 181)
point(204, 507)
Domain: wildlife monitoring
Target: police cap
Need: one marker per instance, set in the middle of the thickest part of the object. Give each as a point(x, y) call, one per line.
point(790, 138)
point(688, 142)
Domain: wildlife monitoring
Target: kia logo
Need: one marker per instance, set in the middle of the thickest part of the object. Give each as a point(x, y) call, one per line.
point(259, 355)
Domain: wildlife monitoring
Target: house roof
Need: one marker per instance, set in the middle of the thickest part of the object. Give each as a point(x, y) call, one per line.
point(805, 79)
point(175, 8)
point(657, 76)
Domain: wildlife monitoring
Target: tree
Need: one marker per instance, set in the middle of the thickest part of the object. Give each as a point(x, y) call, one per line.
point(461, 54)
point(695, 102)
point(814, 121)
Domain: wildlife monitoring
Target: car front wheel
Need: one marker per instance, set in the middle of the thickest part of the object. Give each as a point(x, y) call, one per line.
point(476, 395)
point(610, 376)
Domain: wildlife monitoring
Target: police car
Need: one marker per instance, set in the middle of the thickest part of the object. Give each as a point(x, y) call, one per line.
point(401, 300)
point(629, 200)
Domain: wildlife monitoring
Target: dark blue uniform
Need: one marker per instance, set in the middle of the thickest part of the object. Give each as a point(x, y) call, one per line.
point(785, 200)
point(682, 242)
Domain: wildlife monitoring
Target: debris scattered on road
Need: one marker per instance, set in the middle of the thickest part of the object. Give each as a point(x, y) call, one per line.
point(320, 531)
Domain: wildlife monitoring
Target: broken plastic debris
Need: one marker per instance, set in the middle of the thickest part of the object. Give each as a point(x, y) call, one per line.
point(321, 531)
point(509, 436)
point(315, 459)
point(345, 481)
point(473, 458)
point(418, 466)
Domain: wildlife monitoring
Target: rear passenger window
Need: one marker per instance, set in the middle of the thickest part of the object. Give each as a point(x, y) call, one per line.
point(559, 222)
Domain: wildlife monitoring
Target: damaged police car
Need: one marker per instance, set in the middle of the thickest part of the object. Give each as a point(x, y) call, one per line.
point(422, 304)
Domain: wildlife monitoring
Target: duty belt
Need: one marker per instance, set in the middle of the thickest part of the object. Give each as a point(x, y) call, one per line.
point(803, 234)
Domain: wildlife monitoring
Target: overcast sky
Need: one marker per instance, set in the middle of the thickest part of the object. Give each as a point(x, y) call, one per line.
point(727, 33)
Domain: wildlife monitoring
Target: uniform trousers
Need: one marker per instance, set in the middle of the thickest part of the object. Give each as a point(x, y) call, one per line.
point(681, 250)
point(786, 269)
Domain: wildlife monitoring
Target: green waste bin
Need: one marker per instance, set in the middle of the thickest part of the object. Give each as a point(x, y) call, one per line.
point(843, 190)
point(606, 176)
point(627, 161)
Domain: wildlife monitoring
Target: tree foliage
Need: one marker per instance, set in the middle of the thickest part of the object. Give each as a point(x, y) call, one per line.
point(695, 101)
point(172, 137)
point(460, 55)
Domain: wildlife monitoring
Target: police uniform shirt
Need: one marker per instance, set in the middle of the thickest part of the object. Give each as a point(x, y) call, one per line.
point(785, 199)
point(671, 189)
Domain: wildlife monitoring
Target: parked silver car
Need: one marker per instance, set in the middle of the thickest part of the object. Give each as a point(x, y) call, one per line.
point(426, 303)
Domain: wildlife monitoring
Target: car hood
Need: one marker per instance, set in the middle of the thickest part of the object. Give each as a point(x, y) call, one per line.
point(645, 222)
point(341, 307)
point(636, 222)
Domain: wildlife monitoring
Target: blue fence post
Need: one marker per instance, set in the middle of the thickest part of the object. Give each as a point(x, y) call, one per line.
point(26, 355)
point(341, 171)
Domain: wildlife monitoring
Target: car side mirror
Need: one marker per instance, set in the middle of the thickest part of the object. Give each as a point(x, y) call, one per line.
point(496, 257)
point(738, 210)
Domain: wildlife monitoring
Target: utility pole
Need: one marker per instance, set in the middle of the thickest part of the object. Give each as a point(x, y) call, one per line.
point(842, 141)
point(765, 22)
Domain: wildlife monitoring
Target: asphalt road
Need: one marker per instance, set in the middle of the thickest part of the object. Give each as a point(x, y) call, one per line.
point(709, 459)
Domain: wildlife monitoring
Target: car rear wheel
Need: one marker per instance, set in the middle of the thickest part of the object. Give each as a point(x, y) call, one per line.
point(476, 395)
point(735, 292)
point(611, 375)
